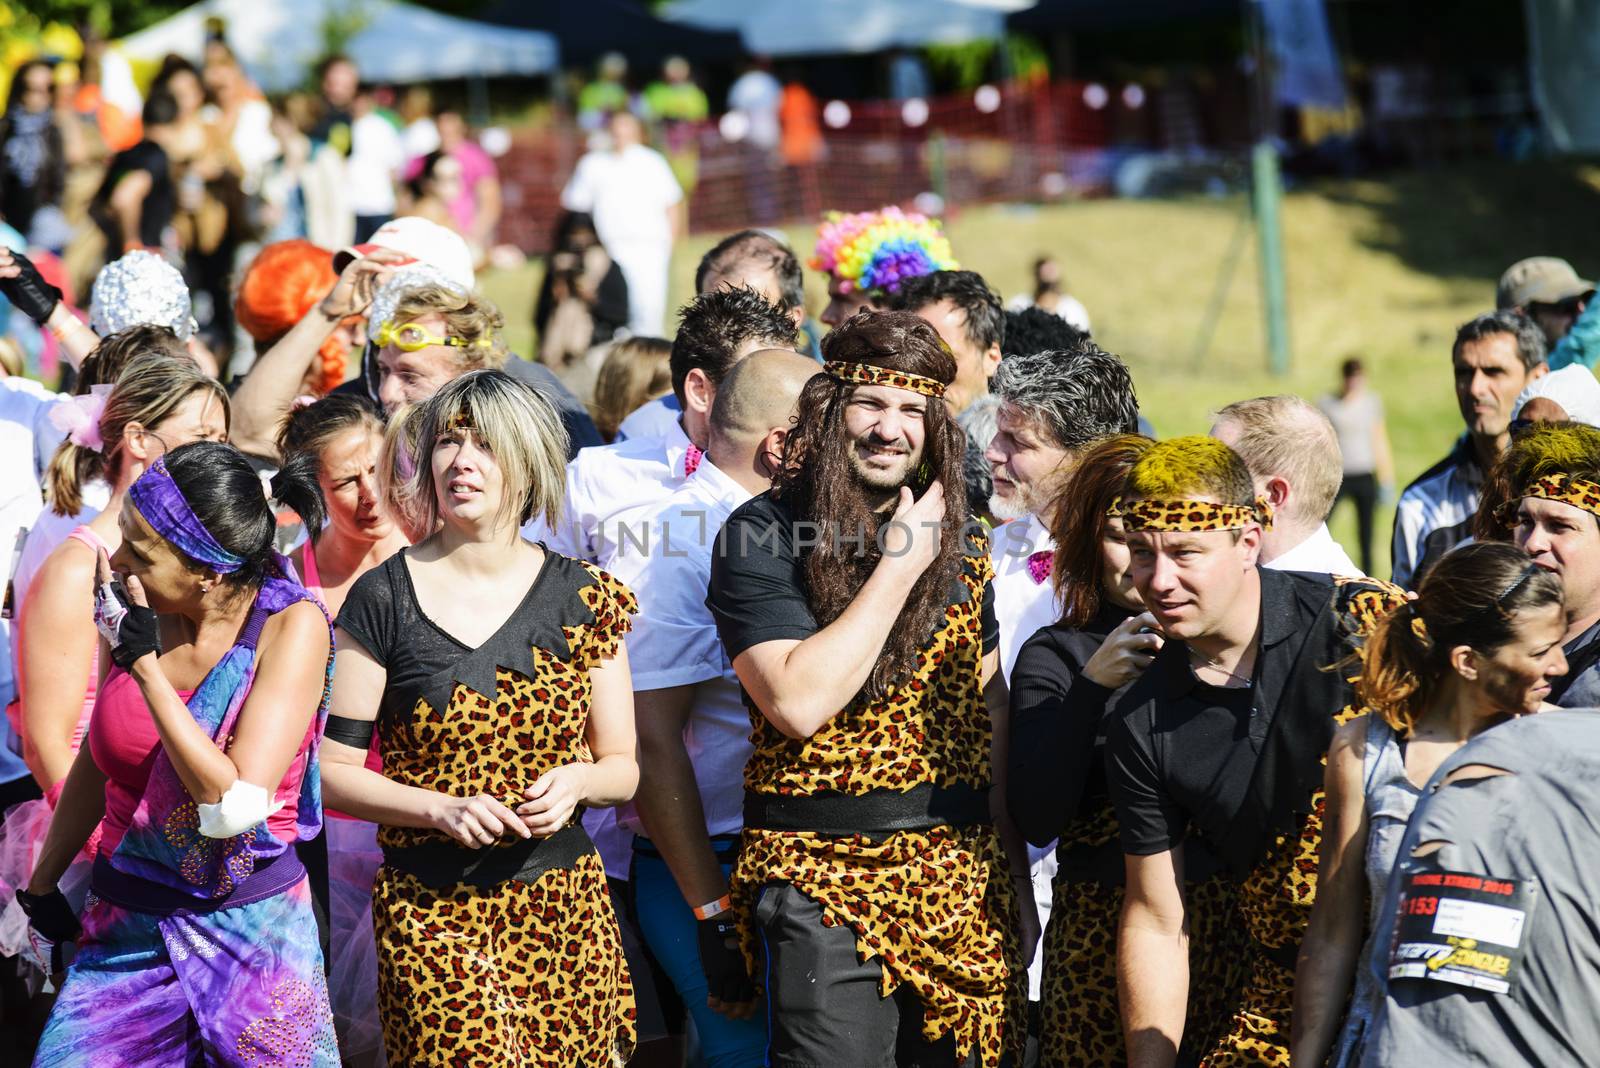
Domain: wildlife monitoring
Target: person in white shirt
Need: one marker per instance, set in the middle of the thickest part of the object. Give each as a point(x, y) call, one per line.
point(376, 156)
point(608, 486)
point(693, 726)
point(638, 211)
point(1053, 404)
point(1292, 452)
point(750, 258)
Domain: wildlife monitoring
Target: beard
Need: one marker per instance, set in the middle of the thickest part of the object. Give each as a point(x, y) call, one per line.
point(881, 472)
point(1008, 508)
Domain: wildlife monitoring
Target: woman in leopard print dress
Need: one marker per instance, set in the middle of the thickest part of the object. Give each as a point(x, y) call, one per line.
point(496, 676)
point(1066, 682)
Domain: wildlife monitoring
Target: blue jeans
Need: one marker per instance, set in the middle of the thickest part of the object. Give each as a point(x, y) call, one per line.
point(668, 925)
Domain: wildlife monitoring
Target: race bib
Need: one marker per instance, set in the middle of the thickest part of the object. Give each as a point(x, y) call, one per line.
point(1453, 927)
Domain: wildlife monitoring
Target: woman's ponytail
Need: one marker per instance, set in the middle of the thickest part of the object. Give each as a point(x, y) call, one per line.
point(295, 486)
point(1397, 668)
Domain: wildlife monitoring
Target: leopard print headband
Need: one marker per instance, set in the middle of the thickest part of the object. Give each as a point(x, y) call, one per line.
point(1557, 486)
point(870, 374)
point(1188, 515)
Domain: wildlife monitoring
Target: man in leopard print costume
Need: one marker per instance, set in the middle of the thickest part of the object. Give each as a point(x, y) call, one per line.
point(854, 604)
point(1225, 736)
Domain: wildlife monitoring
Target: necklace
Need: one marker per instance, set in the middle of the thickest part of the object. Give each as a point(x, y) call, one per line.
point(1207, 662)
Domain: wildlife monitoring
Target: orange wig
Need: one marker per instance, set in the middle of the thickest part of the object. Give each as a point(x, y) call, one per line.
point(283, 282)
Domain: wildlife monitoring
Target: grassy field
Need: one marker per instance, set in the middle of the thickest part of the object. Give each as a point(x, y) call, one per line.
point(1384, 270)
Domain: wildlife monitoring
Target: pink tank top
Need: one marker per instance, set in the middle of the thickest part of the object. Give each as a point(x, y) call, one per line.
point(124, 742)
point(312, 580)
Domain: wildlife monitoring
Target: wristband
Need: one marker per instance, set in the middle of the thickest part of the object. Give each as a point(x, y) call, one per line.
point(716, 908)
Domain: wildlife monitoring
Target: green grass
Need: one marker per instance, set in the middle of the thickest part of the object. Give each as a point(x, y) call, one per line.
point(1384, 270)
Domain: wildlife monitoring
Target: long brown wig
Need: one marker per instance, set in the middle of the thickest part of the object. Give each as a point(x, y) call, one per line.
point(1080, 523)
point(820, 485)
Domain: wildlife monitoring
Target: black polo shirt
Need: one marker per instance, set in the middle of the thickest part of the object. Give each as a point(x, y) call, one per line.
point(1236, 763)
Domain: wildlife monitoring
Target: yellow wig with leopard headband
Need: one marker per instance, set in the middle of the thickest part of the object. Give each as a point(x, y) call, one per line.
point(1192, 483)
point(1553, 461)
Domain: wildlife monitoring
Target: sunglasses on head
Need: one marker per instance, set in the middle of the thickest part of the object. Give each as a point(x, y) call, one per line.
point(413, 336)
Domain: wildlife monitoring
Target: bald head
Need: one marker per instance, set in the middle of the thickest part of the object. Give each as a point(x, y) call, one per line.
point(758, 396)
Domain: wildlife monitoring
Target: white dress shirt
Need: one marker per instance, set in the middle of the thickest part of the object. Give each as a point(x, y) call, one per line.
point(608, 487)
point(1021, 605)
point(674, 639)
point(1319, 554)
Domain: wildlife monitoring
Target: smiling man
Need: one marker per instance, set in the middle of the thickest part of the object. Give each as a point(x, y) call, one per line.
point(1551, 508)
point(1494, 357)
point(1223, 737)
point(854, 608)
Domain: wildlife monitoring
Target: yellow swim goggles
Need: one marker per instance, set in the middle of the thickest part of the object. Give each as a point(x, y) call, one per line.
point(413, 336)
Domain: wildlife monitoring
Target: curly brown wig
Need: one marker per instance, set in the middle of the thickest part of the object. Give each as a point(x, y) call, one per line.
point(820, 484)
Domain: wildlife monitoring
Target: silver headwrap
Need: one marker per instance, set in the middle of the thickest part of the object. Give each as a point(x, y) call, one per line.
point(397, 285)
point(140, 288)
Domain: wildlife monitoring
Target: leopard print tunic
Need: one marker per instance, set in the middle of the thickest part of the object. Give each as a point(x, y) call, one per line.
point(936, 907)
point(1080, 1020)
point(523, 973)
point(1276, 898)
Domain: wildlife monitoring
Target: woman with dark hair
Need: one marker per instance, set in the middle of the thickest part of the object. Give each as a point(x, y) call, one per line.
point(583, 299)
point(201, 771)
point(39, 142)
point(493, 672)
point(1066, 682)
point(1480, 644)
point(344, 435)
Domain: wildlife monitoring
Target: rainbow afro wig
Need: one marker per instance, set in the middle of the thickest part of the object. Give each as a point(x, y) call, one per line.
point(874, 251)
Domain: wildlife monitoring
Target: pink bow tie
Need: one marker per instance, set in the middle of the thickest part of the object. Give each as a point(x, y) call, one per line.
point(1039, 565)
point(691, 459)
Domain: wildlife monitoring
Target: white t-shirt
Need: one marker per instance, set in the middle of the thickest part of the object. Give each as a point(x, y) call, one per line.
point(652, 419)
point(608, 486)
point(674, 639)
point(376, 156)
point(27, 441)
point(628, 193)
point(760, 96)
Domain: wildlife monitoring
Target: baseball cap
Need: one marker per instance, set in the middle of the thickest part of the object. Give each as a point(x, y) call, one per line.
point(1539, 280)
point(423, 241)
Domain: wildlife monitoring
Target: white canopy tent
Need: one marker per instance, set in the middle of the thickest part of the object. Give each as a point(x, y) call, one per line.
point(827, 27)
point(278, 40)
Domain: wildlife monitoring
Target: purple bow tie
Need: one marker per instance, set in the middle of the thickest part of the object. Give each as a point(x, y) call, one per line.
point(691, 459)
point(1039, 564)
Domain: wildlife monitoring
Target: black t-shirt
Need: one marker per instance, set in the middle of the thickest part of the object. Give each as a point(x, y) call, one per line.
point(758, 591)
point(1190, 753)
point(1058, 725)
point(159, 203)
point(1241, 765)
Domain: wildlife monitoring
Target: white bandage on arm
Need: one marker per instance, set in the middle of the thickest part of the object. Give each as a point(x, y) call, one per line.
point(241, 808)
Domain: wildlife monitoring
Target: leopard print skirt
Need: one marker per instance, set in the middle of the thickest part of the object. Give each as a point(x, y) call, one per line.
point(1080, 1024)
point(937, 908)
point(522, 975)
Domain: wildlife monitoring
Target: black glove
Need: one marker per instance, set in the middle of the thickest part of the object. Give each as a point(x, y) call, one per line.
point(132, 630)
point(55, 928)
point(726, 978)
point(29, 293)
